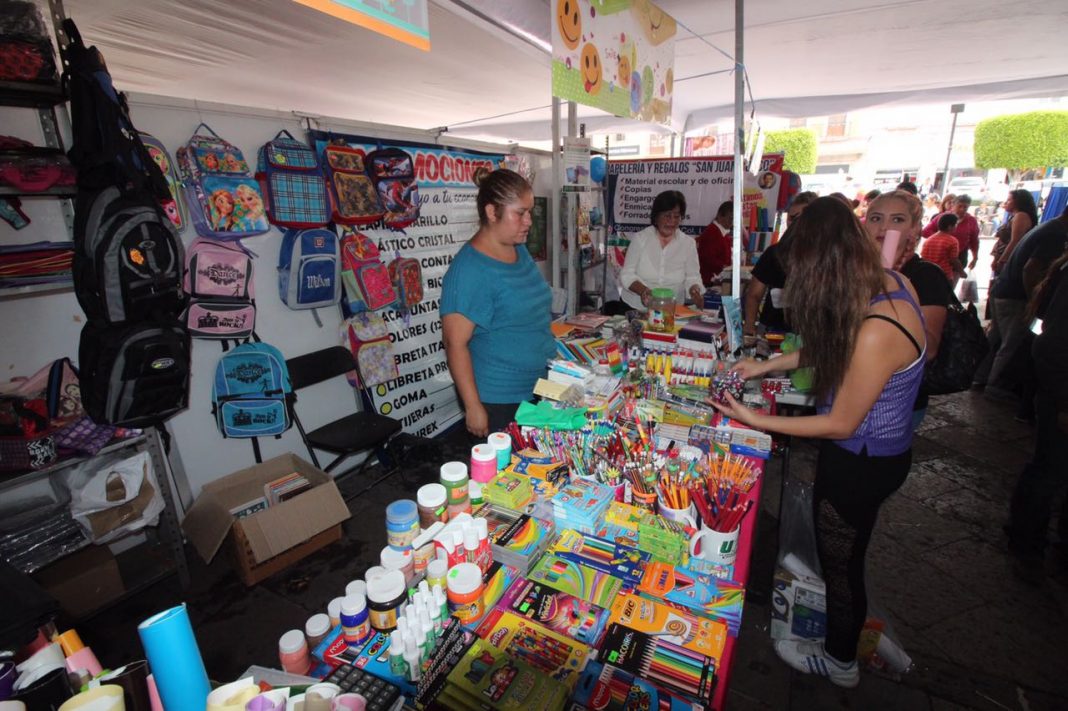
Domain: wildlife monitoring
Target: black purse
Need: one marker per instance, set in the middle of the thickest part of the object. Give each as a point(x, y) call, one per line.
point(964, 345)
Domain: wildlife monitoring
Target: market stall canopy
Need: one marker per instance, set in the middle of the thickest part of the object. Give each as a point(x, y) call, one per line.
point(489, 58)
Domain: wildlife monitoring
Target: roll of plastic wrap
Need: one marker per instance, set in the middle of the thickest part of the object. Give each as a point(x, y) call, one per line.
point(153, 694)
point(103, 698)
point(232, 696)
point(48, 692)
point(174, 656)
point(133, 678)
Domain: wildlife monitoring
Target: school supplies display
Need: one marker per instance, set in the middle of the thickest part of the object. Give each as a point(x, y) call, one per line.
point(366, 335)
point(562, 613)
point(576, 580)
point(508, 490)
point(516, 539)
point(393, 175)
point(364, 276)
point(552, 653)
point(608, 688)
point(580, 504)
point(353, 198)
point(309, 268)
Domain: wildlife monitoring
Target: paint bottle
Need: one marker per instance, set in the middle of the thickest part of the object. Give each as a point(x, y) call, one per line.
point(333, 611)
point(485, 552)
point(397, 665)
point(423, 549)
point(404, 561)
point(483, 463)
point(465, 587)
point(373, 572)
point(454, 479)
point(411, 658)
point(474, 493)
point(441, 600)
point(470, 545)
point(402, 524)
point(386, 598)
point(293, 652)
point(432, 500)
point(316, 629)
point(502, 445)
point(354, 620)
point(436, 571)
point(356, 587)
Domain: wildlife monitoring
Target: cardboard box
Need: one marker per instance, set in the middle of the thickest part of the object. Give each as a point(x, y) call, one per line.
point(296, 527)
point(84, 581)
point(798, 607)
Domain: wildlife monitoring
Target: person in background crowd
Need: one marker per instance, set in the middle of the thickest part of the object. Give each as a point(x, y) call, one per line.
point(495, 308)
point(1011, 292)
point(1021, 214)
point(966, 230)
point(947, 203)
point(868, 197)
point(863, 333)
point(902, 211)
point(714, 244)
point(942, 247)
point(764, 292)
point(662, 256)
point(1043, 479)
point(908, 186)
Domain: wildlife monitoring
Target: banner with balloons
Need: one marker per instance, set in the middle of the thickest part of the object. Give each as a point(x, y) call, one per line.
point(615, 55)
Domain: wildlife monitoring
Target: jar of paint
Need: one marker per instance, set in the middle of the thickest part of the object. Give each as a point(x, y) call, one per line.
point(316, 629)
point(502, 445)
point(436, 570)
point(293, 652)
point(386, 596)
point(354, 620)
point(433, 505)
point(483, 463)
point(403, 561)
point(464, 592)
point(454, 479)
point(333, 611)
point(423, 548)
point(402, 524)
point(373, 572)
point(356, 587)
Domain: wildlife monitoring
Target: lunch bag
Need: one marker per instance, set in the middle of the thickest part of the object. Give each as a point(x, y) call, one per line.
point(224, 201)
point(250, 395)
point(393, 174)
point(367, 336)
point(221, 290)
point(353, 198)
point(309, 269)
point(366, 279)
point(292, 182)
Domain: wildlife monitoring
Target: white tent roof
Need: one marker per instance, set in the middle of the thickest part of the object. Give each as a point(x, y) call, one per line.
point(489, 58)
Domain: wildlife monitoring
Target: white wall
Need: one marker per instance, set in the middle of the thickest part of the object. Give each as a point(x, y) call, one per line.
point(39, 329)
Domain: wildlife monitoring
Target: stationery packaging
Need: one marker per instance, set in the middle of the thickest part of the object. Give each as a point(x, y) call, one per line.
point(551, 653)
point(675, 668)
point(705, 594)
point(677, 626)
point(576, 579)
point(557, 611)
point(609, 688)
point(621, 562)
point(486, 677)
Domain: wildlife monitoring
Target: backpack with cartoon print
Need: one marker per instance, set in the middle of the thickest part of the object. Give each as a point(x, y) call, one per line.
point(393, 174)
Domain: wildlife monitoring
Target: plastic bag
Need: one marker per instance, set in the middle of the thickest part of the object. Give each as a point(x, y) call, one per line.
point(969, 291)
point(115, 499)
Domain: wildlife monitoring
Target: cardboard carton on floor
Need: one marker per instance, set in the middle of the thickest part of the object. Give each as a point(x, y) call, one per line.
point(798, 606)
point(84, 581)
point(268, 540)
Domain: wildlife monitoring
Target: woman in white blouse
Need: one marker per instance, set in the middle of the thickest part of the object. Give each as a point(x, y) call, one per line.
point(662, 256)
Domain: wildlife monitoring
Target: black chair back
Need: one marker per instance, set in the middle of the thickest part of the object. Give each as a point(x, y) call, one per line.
point(319, 366)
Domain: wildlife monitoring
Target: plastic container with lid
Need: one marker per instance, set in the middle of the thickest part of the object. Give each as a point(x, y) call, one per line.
point(316, 629)
point(293, 652)
point(354, 619)
point(483, 463)
point(404, 561)
point(474, 493)
point(465, 588)
point(402, 524)
point(423, 548)
point(662, 311)
point(356, 587)
point(436, 571)
point(432, 500)
point(333, 611)
point(386, 598)
point(502, 445)
point(454, 479)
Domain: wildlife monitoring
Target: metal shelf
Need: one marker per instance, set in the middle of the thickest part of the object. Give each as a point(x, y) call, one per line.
point(29, 95)
point(14, 292)
point(64, 191)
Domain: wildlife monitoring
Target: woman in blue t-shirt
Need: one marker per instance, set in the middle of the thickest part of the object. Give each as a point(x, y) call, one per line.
point(495, 308)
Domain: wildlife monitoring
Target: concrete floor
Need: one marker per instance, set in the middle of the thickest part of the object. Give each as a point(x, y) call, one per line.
point(979, 638)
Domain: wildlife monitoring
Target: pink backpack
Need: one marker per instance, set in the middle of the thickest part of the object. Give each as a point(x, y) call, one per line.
point(219, 282)
point(367, 282)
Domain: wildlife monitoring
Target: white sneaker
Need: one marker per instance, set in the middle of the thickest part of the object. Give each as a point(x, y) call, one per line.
point(810, 658)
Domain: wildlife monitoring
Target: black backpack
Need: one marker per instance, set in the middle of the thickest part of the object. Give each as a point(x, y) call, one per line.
point(134, 375)
point(962, 349)
point(128, 258)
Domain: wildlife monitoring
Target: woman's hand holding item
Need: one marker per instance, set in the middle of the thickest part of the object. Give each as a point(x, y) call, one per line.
point(736, 410)
point(750, 368)
point(477, 421)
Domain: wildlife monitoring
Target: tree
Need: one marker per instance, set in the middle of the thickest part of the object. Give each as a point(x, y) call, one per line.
point(1018, 142)
point(799, 146)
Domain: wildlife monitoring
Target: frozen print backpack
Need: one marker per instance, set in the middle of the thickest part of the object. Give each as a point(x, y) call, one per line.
point(250, 395)
point(407, 278)
point(366, 279)
point(352, 194)
point(309, 268)
point(367, 336)
point(224, 201)
point(174, 207)
point(393, 174)
point(218, 280)
point(293, 186)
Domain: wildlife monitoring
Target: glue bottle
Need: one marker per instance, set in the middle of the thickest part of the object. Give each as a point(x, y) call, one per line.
point(397, 666)
point(485, 553)
point(411, 658)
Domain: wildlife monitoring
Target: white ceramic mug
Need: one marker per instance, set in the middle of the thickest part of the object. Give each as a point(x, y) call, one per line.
point(716, 547)
point(683, 517)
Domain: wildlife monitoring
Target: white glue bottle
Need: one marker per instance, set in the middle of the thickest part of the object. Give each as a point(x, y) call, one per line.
point(411, 658)
point(397, 666)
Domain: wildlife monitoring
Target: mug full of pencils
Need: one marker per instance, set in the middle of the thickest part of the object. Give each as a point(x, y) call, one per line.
point(715, 546)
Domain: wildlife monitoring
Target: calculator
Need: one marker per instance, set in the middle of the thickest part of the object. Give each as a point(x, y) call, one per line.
point(381, 695)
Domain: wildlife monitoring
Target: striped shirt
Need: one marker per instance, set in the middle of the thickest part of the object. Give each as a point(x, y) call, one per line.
point(941, 248)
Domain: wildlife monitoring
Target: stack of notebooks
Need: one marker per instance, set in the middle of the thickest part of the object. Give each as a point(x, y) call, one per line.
point(580, 504)
point(582, 350)
point(516, 539)
point(511, 491)
point(285, 488)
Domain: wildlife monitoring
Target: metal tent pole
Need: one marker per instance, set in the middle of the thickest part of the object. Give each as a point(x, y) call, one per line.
point(739, 140)
point(554, 201)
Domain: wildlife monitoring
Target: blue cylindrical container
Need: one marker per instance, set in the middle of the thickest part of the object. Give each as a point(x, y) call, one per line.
point(402, 524)
point(175, 660)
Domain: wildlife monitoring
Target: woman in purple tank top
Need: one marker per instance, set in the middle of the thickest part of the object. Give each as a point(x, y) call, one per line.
point(864, 336)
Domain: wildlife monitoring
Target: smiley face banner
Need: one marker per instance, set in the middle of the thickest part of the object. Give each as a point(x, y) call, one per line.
point(615, 55)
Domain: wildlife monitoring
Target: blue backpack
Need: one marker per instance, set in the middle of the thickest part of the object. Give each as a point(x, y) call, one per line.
point(309, 268)
point(250, 396)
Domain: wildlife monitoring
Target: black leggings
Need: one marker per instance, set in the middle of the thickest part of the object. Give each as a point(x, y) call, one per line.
point(847, 495)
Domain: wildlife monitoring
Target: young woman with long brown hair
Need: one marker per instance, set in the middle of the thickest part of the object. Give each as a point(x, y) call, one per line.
point(863, 333)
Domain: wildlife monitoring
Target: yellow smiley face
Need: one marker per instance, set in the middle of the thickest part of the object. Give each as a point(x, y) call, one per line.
point(656, 24)
point(569, 22)
point(590, 66)
point(623, 72)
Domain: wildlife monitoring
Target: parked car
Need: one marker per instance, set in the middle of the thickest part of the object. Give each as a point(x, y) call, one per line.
point(972, 187)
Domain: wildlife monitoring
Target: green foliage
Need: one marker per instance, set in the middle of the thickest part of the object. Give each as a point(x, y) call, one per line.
point(799, 146)
point(1038, 139)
